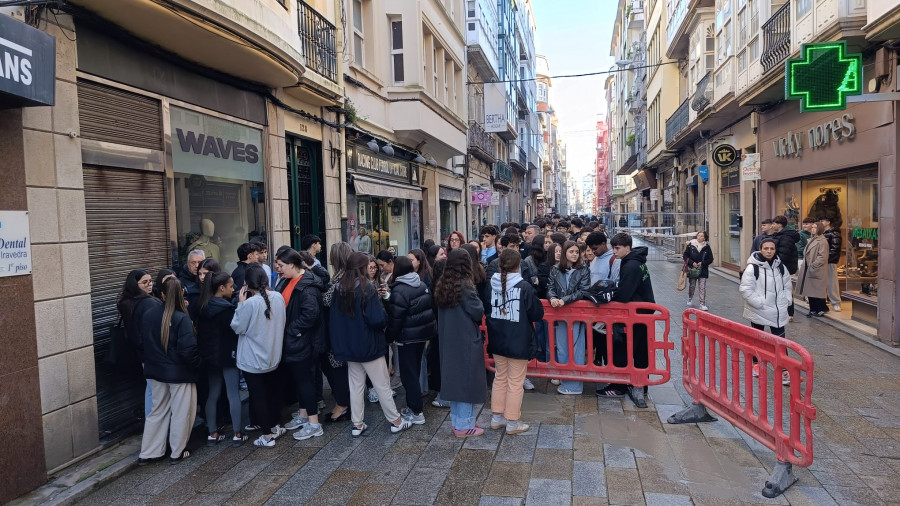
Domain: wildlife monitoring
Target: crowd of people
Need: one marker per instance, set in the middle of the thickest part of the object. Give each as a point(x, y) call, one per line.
point(369, 326)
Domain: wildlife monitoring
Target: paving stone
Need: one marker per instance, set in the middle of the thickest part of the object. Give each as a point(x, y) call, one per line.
point(735, 450)
point(586, 403)
point(588, 448)
point(664, 394)
point(558, 437)
point(549, 492)
point(799, 495)
point(655, 499)
point(834, 472)
point(393, 468)
point(552, 464)
point(339, 448)
point(373, 494)
point(887, 487)
point(421, 486)
point(879, 447)
point(490, 500)
point(289, 462)
point(305, 482)
point(471, 465)
point(618, 456)
point(237, 476)
point(459, 492)
point(517, 448)
point(440, 455)
point(185, 487)
point(339, 487)
point(258, 490)
point(509, 479)
point(588, 501)
point(207, 499)
point(490, 440)
point(719, 429)
point(588, 479)
point(854, 495)
point(624, 486)
point(662, 476)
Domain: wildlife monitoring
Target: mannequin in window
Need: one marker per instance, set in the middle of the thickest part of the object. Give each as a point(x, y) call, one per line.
point(204, 242)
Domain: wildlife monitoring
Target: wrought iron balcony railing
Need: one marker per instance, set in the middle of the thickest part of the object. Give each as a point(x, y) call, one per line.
point(502, 173)
point(776, 38)
point(317, 42)
point(678, 121)
point(481, 140)
point(703, 94)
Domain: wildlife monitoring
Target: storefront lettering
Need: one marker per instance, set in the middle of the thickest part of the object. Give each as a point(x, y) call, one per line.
point(865, 233)
point(369, 162)
point(206, 145)
point(818, 137)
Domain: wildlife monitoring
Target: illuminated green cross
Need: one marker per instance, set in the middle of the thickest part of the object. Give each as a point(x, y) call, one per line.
point(823, 76)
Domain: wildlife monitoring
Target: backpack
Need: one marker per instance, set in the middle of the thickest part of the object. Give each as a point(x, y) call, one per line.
point(756, 270)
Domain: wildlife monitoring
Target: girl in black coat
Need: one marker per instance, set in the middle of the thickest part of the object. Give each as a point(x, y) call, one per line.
point(698, 253)
point(412, 322)
point(304, 336)
point(136, 292)
point(218, 344)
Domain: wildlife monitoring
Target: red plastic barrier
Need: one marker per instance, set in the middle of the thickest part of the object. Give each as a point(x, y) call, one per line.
point(717, 356)
point(609, 314)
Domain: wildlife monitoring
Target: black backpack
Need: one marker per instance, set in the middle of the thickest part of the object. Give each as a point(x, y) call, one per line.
point(756, 270)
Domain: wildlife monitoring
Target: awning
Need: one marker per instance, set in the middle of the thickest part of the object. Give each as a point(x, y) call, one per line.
point(367, 186)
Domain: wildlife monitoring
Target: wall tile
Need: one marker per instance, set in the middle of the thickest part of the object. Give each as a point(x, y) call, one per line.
point(66, 57)
point(23, 467)
point(79, 330)
point(82, 383)
point(49, 319)
point(285, 223)
point(45, 274)
point(69, 173)
point(332, 192)
point(40, 162)
point(72, 218)
point(85, 432)
point(57, 438)
point(38, 118)
point(75, 275)
point(54, 379)
point(42, 215)
point(65, 112)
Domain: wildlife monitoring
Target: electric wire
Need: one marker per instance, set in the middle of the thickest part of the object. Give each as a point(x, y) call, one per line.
point(585, 74)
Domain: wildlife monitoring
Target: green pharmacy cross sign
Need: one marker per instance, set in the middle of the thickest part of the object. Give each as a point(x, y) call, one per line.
point(823, 76)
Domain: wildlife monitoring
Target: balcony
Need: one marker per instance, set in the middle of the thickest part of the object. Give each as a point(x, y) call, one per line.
point(317, 45)
point(776, 38)
point(518, 157)
point(481, 143)
point(678, 122)
point(502, 175)
point(534, 159)
point(703, 95)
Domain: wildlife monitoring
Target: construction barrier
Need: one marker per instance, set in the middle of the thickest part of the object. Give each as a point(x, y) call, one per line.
point(717, 359)
point(623, 319)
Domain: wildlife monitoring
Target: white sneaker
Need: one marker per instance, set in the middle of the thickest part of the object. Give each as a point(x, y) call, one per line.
point(516, 427)
point(416, 419)
point(358, 431)
point(296, 422)
point(266, 442)
point(528, 385)
point(836, 308)
point(704, 307)
point(372, 396)
point(554, 381)
point(404, 424)
point(278, 431)
point(309, 431)
point(690, 303)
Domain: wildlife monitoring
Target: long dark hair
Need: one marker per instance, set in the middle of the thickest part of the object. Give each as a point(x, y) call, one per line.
point(211, 284)
point(551, 253)
point(478, 273)
point(537, 251)
point(158, 282)
point(510, 260)
point(456, 277)
point(131, 293)
point(174, 299)
point(355, 276)
point(257, 281)
point(424, 270)
point(432, 254)
point(564, 264)
point(402, 267)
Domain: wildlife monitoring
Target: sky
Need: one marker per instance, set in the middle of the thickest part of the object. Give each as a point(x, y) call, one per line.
point(575, 37)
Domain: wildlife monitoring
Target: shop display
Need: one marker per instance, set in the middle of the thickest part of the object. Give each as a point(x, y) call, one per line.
point(826, 206)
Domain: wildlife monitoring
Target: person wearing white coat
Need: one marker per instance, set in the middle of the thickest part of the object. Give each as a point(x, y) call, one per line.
point(766, 290)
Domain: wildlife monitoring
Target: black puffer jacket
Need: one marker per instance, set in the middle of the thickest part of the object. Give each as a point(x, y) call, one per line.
point(410, 310)
point(835, 242)
point(786, 246)
point(215, 338)
point(304, 328)
point(180, 361)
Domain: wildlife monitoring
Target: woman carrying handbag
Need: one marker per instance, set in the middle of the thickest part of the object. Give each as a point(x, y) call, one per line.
point(697, 258)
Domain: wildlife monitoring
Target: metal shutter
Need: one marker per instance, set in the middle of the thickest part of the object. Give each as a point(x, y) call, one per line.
point(111, 115)
point(127, 227)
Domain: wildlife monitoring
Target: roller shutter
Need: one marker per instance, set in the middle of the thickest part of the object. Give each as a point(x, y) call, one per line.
point(121, 117)
point(127, 227)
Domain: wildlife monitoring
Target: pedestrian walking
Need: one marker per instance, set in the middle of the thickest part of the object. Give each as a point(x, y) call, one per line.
point(766, 290)
point(357, 321)
point(259, 324)
point(512, 312)
point(570, 280)
point(786, 248)
point(218, 346)
point(698, 255)
point(304, 337)
point(411, 322)
point(136, 291)
point(336, 370)
point(460, 312)
point(171, 362)
point(835, 243)
point(813, 277)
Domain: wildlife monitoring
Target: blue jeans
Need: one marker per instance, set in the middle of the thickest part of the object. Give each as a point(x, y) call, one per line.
point(542, 331)
point(462, 415)
point(562, 349)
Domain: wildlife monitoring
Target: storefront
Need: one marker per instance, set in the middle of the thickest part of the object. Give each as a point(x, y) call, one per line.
point(839, 165)
point(449, 199)
point(729, 232)
point(383, 202)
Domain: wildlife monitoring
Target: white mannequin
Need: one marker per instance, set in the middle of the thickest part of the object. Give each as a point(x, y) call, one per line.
point(204, 242)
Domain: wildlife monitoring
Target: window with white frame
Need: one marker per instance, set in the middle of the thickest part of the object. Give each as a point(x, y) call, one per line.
point(742, 61)
point(753, 6)
point(725, 48)
point(743, 26)
point(397, 51)
point(803, 7)
point(653, 120)
point(359, 41)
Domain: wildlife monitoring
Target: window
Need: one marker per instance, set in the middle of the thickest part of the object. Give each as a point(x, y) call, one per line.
point(359, 44)
point(754, 17)
point(470, 9)
point(742, 61)
point(397, 50)
point(753, 51)
point(653, 120)
point(725, 49)
point(743, 25)
point(803, 6)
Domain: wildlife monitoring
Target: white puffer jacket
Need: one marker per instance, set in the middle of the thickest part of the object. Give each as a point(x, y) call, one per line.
point(766, 299)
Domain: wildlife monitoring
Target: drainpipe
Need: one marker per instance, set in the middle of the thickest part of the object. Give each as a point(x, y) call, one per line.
point(342, 138)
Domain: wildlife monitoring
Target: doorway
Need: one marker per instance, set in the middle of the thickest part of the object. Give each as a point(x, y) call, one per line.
point(306, 193)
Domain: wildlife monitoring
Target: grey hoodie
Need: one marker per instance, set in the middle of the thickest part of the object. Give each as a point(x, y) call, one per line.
point(411, 279)
point(260, 339)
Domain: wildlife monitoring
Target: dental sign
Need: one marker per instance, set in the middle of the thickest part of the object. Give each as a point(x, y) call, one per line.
point(15, 244)
point(27, 65)
point(823, 76)
point(821, 136)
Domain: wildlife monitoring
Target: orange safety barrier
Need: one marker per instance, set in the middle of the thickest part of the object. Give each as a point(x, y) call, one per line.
point(625, 317)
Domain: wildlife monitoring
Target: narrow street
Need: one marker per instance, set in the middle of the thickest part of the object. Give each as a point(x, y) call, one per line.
point(580, 450)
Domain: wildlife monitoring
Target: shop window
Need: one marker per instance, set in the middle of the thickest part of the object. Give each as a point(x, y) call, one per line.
point(861, 267)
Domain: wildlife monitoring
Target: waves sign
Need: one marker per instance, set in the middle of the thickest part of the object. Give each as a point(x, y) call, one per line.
point(27, 65)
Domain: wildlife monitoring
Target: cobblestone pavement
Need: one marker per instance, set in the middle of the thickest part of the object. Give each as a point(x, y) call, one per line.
point(580, 450)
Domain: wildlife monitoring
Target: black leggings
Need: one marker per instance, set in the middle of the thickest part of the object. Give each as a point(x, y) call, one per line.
point(265, 390)
point(337, 379)
point(775, 331)
point(304, 376)
point(817, 304)
point(433, 361)
point(410, 367)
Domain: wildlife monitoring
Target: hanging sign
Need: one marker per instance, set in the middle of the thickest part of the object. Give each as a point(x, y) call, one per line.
point(28, 69)
point(823, 76)
point(750, 167)
point(481, 198)
point(724, 155)
point(495, 198)
point(15, 244)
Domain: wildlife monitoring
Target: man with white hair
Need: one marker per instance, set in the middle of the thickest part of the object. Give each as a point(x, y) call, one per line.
point(188, 277)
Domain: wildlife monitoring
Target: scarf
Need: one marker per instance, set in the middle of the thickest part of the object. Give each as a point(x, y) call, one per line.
point(289, 289)
point(699, 245)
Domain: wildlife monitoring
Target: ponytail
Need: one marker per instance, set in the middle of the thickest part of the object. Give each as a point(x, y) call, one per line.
point(510, 260)
point(265, 297)
point(257, 280)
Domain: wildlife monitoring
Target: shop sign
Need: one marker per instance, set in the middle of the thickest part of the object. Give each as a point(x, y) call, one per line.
point(703, 170)
point(215, 147)
point(495, 198)
point(654, 194)
point(15, 244)
point(823, 76)
point(724, 155)
point(750, 170)
point(452, 194)
point(495, 119)
point(481, 198)
point(369, 162)
point(865, 234)
point(27, 64)
point(817, 137)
